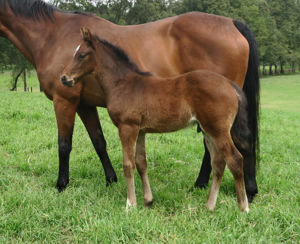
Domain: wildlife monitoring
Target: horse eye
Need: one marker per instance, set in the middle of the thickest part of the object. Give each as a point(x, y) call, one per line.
point(81, 56)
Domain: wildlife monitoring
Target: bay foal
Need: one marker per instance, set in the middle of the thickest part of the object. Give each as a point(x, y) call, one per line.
point(140, 103)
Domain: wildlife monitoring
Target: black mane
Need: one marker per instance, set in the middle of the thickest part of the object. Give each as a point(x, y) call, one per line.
point(122, 56)
point(33, 9)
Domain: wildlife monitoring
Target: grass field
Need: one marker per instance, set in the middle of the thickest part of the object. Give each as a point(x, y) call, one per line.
point(32, 211)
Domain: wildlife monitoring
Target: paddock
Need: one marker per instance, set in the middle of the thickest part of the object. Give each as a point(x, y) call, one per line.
point(32, 210)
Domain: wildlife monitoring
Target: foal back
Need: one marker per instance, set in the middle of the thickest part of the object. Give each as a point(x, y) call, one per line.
point(168, 105)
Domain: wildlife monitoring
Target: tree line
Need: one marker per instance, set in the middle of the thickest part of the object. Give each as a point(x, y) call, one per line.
point(275, 23)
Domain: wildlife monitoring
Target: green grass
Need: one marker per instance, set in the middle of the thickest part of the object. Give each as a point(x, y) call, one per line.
point(32, 211)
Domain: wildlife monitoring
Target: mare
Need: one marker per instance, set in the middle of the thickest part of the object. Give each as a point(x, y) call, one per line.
point(140, 103)
point(166, 48)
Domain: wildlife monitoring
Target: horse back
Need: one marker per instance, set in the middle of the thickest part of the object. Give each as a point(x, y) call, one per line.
point(210, 42)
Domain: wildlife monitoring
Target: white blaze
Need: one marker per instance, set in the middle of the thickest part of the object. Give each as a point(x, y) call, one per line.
point(76, 50)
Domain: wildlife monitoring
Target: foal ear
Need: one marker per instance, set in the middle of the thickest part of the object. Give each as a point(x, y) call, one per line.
point(86, 34)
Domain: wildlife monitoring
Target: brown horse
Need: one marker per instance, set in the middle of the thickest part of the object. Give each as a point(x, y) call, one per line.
point(140, 103)
point(166, 48)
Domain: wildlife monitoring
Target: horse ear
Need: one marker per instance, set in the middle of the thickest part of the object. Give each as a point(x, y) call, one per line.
point(86, 34)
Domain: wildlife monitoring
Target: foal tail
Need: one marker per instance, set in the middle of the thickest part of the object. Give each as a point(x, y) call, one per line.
point(240, 132)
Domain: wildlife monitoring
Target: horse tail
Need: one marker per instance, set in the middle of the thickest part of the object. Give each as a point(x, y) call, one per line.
point(251, 89)
point(242, 137)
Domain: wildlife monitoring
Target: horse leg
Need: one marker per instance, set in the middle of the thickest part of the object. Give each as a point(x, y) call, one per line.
point(249, 175)
point(128, 136)
point(234, 161)
point(141, 164)
point(90, 119)
point(218, 167)
point(205, 170)
point(65, 117)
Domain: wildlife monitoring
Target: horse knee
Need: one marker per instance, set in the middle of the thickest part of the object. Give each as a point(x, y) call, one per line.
point(64, 147)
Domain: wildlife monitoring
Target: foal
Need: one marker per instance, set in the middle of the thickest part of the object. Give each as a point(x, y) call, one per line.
point(140, 103)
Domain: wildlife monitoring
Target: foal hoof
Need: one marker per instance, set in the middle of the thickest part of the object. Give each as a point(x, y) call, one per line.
point(130, 206)
point(210, 207)
point(148, 204)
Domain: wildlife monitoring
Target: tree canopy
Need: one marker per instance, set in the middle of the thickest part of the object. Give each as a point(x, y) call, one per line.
point(275, 23)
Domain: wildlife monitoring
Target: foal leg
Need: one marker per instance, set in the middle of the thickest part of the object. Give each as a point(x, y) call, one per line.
point(128, 136)
point(234, 161)
point(65, 117)
point(141, 164)
point(90, 119)
point(218, 166)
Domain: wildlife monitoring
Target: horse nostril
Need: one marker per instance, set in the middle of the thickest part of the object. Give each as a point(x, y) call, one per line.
point(63, 79)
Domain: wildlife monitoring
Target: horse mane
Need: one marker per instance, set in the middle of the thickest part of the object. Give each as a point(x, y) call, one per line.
point(33, 9)
point(122, 56)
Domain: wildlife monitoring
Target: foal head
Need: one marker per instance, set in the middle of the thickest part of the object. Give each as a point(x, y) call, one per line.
point(84, 60)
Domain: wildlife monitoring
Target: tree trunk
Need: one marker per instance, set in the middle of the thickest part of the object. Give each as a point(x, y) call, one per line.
point(14, 88)
point(281, 68)
point(293, 66)
point(276, 69)
point(264, 69)
point(270, 70)
point(24, 77)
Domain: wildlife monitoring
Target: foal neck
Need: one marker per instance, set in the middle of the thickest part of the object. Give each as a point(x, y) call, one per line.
point(115, 66)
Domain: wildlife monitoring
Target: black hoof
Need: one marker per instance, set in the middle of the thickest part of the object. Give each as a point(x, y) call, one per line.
point(200, 185)
point(61, 186)
point(148, 204)
point(111, 180)
point(251, 195)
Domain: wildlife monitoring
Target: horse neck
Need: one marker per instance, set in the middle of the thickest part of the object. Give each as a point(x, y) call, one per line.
point(27, 35)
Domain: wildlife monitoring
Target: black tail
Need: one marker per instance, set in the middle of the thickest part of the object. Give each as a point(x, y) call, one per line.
point(251, 88)
point(242, 136)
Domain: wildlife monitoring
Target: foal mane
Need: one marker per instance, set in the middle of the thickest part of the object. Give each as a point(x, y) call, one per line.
point(122, 56)
point(33, 9)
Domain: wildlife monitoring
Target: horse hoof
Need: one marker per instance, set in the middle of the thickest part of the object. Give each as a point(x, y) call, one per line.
point(251, 195)
point(61, 188)
point(111, 180)
point(200, 185)
point(61, 185)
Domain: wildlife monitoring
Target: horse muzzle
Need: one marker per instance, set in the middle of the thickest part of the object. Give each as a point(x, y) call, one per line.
point(67, 82)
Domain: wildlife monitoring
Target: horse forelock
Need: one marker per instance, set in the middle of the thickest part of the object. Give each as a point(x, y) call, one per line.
point(122, 56)
point(33, 9)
